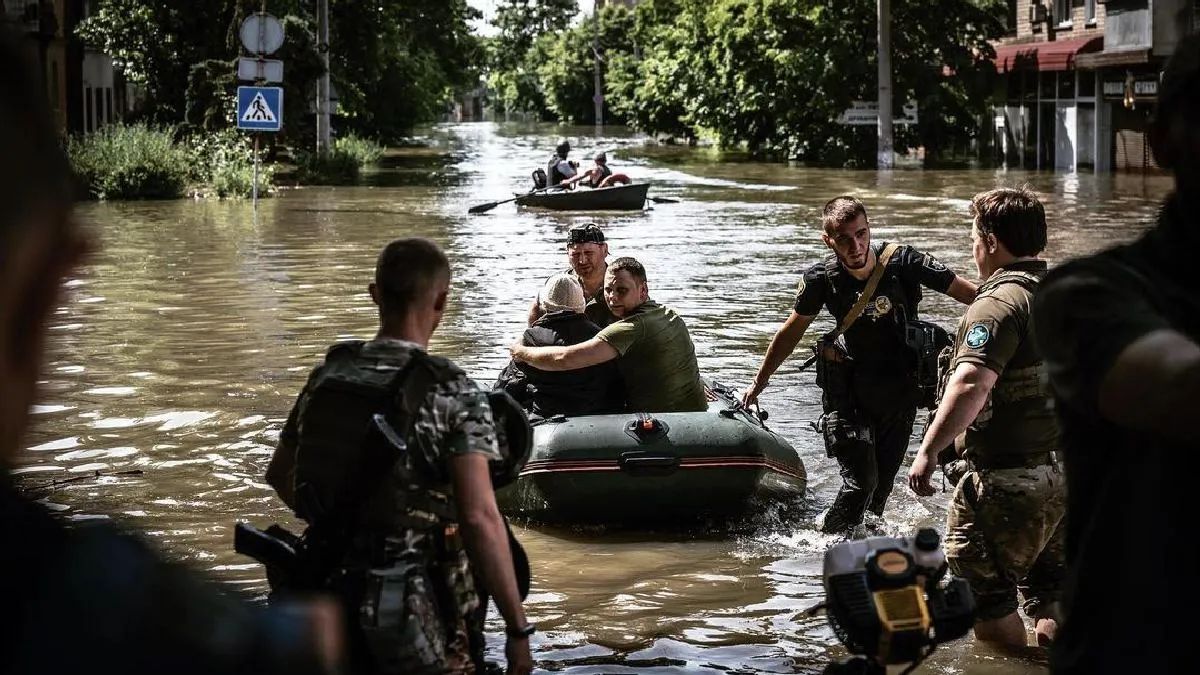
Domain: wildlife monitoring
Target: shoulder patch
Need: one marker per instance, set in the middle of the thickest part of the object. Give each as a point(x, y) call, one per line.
point(977, 336)
point(801, 286)
point(934, 264)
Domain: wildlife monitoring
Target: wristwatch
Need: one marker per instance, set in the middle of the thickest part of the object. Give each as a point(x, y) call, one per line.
point(522, 632)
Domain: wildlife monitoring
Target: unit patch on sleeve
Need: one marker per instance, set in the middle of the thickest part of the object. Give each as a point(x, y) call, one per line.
point(977, 336)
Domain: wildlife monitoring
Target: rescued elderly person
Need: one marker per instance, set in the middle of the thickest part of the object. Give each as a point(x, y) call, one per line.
point(649, 342)
point(586, 391)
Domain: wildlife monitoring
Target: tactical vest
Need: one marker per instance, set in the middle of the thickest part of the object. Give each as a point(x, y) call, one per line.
point(902, 300)
point(336, 466)
point(1019, 393)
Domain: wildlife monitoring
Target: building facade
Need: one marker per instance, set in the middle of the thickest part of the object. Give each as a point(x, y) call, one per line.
point(1139, 36)
point(1046, 112)
point(1079, 81)
point(84, 90)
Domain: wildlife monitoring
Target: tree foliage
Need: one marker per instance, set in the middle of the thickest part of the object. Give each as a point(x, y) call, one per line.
point(515, 53)
point(393, 62)
point(773, 75)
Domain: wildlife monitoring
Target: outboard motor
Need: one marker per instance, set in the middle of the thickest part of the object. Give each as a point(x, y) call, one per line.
point(539, 179)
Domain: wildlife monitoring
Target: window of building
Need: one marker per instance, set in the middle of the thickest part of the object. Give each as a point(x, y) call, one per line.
point(1011, 17)
point(1049, 86)
point(1066, 85)
point(1087, 85)
point(90, 123)
point(1062, 12)
point(1089, 11)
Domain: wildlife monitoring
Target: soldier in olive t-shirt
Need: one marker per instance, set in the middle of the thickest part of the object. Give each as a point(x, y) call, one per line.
point(658, 361)
point(650, 342)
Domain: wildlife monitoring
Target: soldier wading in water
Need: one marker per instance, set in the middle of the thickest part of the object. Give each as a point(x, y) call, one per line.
point(1003, 531)
point(415, 528)
point(870, 387)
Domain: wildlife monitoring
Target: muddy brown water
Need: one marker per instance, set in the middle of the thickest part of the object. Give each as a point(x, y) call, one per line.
point(180, 349)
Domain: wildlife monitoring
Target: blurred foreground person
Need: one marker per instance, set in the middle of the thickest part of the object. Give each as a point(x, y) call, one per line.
point(1120, 333)
point(90, 599)
point(1003, 528)
point(387, 456)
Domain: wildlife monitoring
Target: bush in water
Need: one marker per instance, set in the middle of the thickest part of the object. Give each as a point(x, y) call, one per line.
point(223, 163)
point(364, 150)
point(131, 162)
point(336, 167)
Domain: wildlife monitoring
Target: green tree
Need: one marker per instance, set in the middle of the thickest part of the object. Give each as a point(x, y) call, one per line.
point(513, 56)
point(394, 62)
point(774, 74)
point(567, 62)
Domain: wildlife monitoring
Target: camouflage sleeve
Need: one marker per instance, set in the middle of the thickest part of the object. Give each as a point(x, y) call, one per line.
point(462, 419)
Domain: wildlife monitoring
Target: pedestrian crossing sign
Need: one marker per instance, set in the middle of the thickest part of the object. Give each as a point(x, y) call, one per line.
point(260, 108)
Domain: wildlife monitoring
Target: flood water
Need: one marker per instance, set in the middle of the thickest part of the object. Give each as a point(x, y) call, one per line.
point(181, 348)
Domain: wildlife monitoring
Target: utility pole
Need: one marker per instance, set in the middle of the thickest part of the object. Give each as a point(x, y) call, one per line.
point(885, 155)
point(597, 84)
point(323, 81)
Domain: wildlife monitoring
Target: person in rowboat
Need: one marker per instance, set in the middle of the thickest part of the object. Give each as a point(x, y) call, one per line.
point(587, 253)
point(649, 342)
point(560, 169)
point(599, 176)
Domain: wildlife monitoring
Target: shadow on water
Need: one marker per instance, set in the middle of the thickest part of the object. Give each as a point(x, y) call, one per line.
point(180, 351)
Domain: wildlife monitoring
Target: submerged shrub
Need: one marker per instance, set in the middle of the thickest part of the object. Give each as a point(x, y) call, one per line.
point(364, 150)
point(337, 167)
point(130, 162)
point(223, 161)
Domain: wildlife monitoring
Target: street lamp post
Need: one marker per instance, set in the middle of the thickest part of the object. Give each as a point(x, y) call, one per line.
point(884, 151)
point(323, 132)
point(597, 84)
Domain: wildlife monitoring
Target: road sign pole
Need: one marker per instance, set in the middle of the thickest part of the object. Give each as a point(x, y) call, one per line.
point(254, 189)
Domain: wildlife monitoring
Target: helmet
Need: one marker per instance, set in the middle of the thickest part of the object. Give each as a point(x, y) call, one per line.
point(563, 148)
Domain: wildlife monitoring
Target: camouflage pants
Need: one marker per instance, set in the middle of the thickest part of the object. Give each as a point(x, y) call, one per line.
point(1004, 535)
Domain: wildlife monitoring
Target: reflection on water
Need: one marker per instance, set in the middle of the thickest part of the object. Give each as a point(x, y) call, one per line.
point(180, 351)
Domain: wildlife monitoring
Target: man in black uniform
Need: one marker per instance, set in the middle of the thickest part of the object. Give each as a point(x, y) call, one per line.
point(90, 598)
point(882, 393)
point(1120, 334)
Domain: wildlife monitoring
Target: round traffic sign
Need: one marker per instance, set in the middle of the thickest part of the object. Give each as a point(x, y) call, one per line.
point(261, 33)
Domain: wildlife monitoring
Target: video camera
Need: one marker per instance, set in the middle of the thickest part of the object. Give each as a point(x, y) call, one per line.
point(885, 600)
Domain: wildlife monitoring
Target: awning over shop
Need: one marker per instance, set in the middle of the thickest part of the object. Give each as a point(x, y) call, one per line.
point(1056, 55)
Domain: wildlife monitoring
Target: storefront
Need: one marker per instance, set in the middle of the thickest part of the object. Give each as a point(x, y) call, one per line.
point(1049, 116)
point(1131, 96)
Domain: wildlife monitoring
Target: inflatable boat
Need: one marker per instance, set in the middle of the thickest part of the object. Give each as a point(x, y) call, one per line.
point(640, 468)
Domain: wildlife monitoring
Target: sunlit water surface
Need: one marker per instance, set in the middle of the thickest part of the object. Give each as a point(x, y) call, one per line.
point(181, 348)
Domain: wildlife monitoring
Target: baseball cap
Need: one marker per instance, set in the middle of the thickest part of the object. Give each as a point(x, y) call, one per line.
point(589, 232)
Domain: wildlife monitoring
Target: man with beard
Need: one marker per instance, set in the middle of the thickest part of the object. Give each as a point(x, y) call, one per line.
point(649, 341)
point(872, 408)
point(1120, 334)
point(587, 252)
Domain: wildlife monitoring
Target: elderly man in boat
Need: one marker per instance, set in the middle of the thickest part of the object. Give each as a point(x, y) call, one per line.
point(649, 341)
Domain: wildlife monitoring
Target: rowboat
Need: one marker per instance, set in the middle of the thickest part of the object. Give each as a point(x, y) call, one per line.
point(630, 197)
point(640, 468)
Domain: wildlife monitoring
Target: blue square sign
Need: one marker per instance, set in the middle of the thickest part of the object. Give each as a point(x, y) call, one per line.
point(260, 108)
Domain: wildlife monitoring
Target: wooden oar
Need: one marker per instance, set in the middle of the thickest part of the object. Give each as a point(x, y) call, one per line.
point(484, 208)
